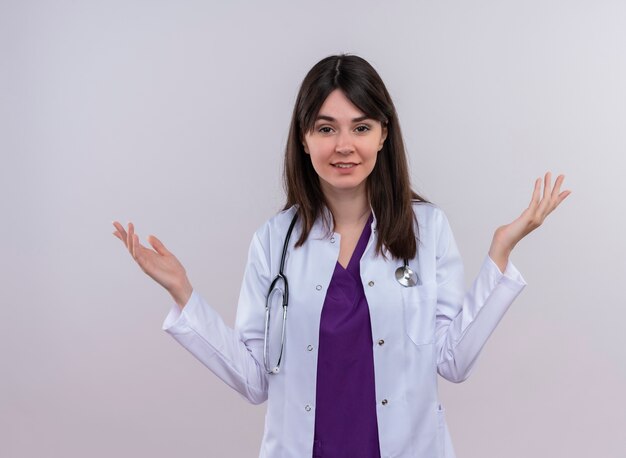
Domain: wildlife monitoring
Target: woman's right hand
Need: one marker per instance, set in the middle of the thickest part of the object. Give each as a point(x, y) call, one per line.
point(160, 264)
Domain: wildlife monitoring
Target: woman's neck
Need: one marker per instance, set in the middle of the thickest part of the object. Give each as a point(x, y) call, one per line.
point(350, 209)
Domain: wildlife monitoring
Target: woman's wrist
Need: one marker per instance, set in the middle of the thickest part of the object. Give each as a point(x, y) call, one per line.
point(499, 252)
point(182, 293)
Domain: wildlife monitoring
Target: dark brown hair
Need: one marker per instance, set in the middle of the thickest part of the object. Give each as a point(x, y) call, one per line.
point(388, 186)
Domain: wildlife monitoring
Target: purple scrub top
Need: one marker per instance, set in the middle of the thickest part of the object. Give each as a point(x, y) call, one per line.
point(345, 409)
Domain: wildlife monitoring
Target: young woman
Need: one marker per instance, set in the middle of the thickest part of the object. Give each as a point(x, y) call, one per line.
point(372, 280)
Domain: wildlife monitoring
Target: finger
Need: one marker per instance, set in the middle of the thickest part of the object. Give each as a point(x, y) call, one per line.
point(121, 232)
point(137, 248)
point(158, 246)
point(547, 184)
point(131, 239)
point(562, 196)
point(534, 200)
point(119, 227)
point(557, 186)
point(557, 201)
point(547, 189)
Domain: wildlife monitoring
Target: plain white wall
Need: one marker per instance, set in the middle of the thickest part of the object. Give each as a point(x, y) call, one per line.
point(174, 115)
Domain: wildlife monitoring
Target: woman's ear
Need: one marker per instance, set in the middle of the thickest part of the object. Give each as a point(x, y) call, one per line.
point(306, 149)
point(383, 136)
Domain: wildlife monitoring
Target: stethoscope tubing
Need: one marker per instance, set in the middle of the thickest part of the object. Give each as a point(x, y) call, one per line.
point(281, 276)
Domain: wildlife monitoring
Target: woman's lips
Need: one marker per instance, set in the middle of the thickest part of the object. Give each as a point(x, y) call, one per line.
point(344, 165)
point(344, 168)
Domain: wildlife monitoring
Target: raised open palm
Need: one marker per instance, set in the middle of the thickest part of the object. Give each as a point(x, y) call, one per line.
point(159, 263)
point(532, 217)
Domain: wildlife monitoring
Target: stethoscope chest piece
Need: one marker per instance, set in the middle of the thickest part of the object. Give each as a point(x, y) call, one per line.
point(405, 276)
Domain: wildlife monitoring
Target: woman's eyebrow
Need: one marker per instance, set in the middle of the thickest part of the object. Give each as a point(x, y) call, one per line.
point(331, 119)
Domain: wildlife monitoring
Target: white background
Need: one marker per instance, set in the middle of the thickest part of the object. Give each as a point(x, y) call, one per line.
point(174, 115)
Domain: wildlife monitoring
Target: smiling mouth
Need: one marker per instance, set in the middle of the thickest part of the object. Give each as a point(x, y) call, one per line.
point(344, 166)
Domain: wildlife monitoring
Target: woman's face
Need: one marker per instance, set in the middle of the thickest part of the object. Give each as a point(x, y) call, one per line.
point(343, 144)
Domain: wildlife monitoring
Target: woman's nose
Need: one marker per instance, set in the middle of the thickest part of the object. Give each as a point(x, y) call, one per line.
point(344, 143)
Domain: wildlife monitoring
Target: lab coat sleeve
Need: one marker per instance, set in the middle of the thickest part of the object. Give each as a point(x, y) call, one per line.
point(466, 319)
point(234, 355)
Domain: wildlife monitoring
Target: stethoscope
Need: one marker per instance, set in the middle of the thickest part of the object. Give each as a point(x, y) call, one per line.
point(404, 275)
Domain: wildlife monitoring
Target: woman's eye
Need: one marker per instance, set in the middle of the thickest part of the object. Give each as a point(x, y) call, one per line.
point(325, 130)
point(363, 128)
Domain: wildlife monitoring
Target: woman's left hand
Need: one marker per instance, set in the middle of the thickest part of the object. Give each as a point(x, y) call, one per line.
point(506, 237)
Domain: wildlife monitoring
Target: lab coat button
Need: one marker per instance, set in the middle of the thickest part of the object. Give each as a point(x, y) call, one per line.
point(384, 402)
point(332, 240)
point(381, 342)
point(307, 408)
point(309, 347)
point(318, 287)
point(371, 283)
